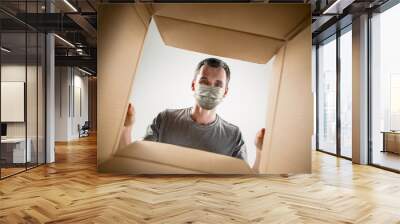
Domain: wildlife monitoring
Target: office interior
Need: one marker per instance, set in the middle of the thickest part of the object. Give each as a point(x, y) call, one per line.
point(48, 88)
point(334, 61)
point(45, 89)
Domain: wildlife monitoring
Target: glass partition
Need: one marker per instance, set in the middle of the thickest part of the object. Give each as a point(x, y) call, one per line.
point(14, 153)
point(22, 78)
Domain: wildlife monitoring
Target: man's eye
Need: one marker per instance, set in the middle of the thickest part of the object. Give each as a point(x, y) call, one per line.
point(218, 84)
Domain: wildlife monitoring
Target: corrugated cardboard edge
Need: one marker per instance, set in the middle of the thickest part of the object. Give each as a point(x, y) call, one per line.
point(122, 63)
point(153, 157)
point(221, 15)
point(274, 86)
point(191, 36)
point(277, 155)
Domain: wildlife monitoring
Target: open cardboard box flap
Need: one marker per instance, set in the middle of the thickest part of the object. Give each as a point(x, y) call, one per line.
point(269, 20)
point(250, 32)
point(170, 159)
point(224, 42)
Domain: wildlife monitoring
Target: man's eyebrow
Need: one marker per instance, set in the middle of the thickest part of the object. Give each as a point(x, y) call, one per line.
point(219, 81)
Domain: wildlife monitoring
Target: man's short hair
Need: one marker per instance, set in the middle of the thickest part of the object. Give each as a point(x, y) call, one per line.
point(215, 63)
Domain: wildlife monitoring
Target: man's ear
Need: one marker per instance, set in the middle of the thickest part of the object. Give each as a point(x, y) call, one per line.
point(226, 91)
point(193, 85)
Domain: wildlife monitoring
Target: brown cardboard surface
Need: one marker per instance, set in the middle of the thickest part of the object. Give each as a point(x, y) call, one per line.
point(124, 165)
point(269, 20)
point(250, 32)
point(241, 31)
point(144, 13)
point(172, 159)
point(224, 42)
point(121, 32)
point(290, 120)
point(274, 83)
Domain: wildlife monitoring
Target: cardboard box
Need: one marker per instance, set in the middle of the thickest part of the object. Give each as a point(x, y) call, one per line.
point(160, 158)
point(251, 32)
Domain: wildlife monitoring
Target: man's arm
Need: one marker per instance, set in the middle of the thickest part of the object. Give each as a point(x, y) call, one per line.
point(258, 142)
point(126, 138)
point(153, 130)
point(240, 149)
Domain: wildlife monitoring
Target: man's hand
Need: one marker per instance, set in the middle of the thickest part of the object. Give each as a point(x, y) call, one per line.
point(259, 138)
point(130, 116)
point(126, 131)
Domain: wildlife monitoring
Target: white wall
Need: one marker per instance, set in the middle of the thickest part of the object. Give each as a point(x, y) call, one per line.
point(12, 73)
point(80, 84)
point(61, 103)
point(163, 80)
point(67, 115)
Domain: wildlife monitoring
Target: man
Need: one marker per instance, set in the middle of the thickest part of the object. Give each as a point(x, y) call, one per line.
point(199, 126)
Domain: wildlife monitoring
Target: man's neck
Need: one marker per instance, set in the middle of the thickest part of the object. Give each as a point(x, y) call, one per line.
point(202, 116)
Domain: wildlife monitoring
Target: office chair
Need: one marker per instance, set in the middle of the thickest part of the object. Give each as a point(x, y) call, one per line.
point(84, 130)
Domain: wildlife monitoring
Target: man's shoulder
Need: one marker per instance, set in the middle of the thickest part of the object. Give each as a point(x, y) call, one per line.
point(229, 126)
point(170, 113)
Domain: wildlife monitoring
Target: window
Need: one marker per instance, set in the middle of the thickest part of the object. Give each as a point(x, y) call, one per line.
point(395, 101)
point(334, 72)
point(346, 93)
point(327, 96)
point(385, 89)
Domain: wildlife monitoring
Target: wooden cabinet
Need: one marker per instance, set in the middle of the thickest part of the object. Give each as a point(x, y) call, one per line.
point(391, 142)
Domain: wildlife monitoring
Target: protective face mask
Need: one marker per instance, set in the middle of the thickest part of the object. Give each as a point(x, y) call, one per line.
point(208, 97)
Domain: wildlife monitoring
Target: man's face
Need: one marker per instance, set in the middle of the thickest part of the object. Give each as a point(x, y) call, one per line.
point(211, 76)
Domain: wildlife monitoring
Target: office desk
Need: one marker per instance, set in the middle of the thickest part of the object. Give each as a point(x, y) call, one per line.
point(391, 141)
point(13, 150)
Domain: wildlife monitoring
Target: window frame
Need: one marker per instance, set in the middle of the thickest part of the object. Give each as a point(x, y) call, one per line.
point(334, 37)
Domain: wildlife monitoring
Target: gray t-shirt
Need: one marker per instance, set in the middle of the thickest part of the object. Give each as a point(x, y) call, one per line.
point(177, 127)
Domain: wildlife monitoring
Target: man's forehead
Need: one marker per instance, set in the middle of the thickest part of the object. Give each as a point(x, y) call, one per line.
point(208, 70)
